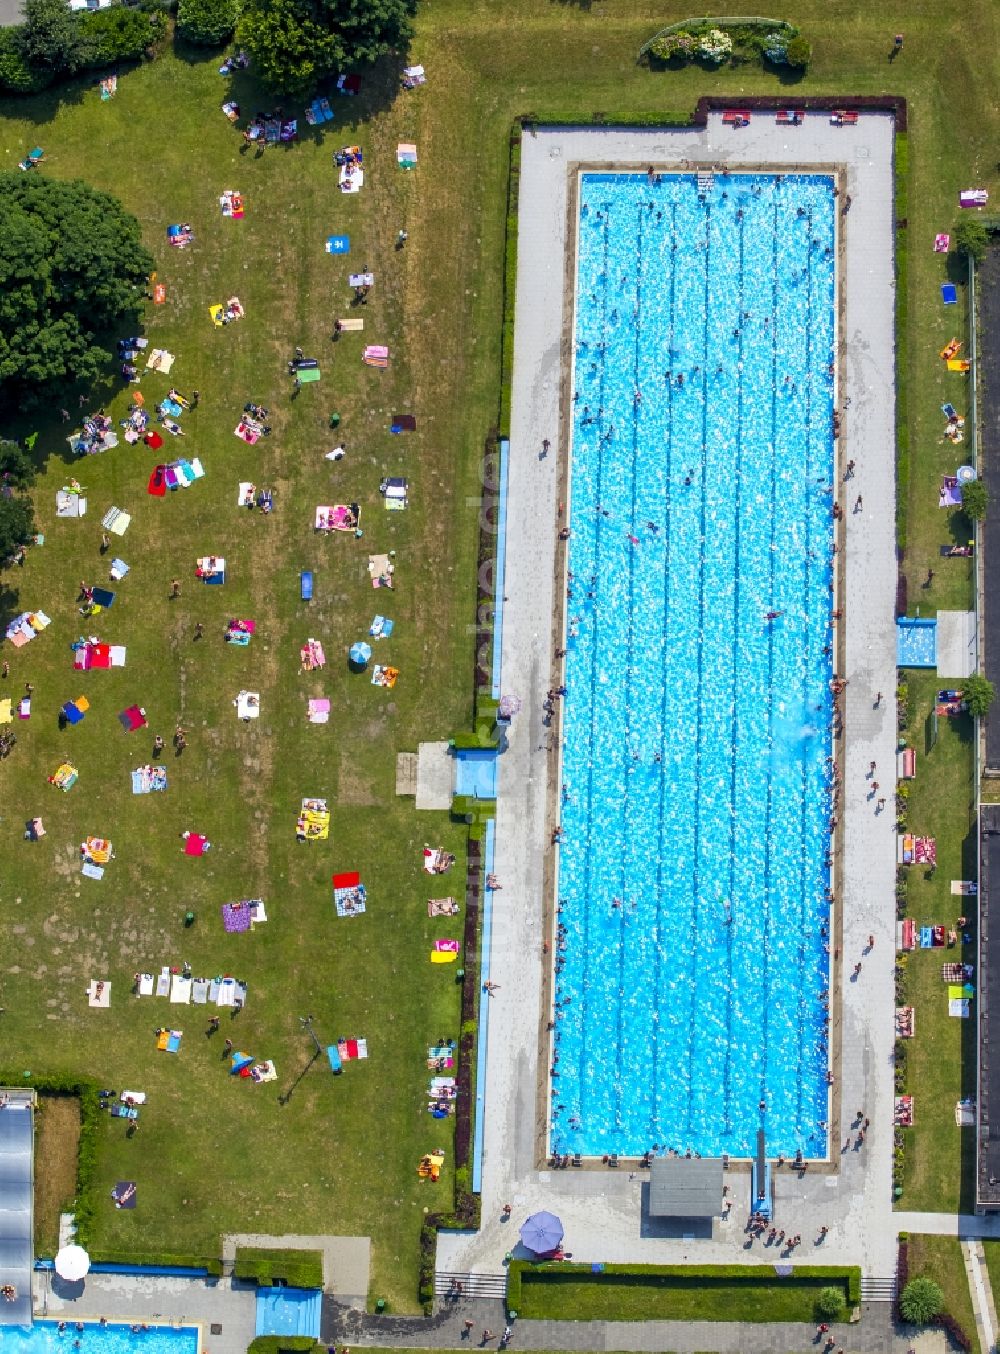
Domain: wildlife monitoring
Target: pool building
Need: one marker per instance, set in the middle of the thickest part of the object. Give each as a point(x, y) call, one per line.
point(692, 942)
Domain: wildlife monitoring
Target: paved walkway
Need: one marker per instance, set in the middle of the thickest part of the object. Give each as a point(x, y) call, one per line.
point(603, 1211)
point(949, 1224)
point(981, 1292)
point(875, 1333)
point(225, 1303)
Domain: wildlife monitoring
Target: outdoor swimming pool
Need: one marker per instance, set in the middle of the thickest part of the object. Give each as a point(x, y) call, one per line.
point(692, 964)
point(44, 1337)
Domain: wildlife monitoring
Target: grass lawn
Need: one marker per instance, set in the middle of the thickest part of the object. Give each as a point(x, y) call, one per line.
point(163, 146)
point(940, 1258)
point(57, 1135)
point(648, 1297)
point(941, 1058)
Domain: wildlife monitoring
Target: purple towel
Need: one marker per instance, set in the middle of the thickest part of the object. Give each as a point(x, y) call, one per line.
point(236, 916)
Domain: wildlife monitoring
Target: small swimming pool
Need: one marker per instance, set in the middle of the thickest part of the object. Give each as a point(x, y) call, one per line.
point(692, 960)
point(44, 1337)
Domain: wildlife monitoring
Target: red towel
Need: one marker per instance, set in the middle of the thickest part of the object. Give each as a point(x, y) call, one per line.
point(157, 485)
point(194, 845)
point(100, 656)
point(346, 881)
point(153, 439)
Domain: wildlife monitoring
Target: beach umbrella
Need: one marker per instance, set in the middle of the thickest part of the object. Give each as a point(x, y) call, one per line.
point(360, 653)
point(542, 1233)
point(72, 1263)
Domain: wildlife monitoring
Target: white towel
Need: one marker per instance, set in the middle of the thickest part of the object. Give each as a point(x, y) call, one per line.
point(180, 990)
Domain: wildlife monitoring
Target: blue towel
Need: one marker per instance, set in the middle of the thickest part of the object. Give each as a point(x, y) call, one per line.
point(948, 294)
point(103, 598)
point(926, 937)
point(72, 712)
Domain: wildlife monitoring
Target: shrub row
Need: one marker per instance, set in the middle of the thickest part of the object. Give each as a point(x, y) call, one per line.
point(101, 38)
point(297, 1269)
point(735, 42)
point(849, 1276)
point(902, 171)
point(157, 1260)
point(509, 282)
point(278, 1344)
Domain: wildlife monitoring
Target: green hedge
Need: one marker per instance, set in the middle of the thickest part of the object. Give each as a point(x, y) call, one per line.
point(277, 1344)
point(297, 1269)
point(902, 175)
point(157, 1260)
point(711, 1278)
point(509, 283)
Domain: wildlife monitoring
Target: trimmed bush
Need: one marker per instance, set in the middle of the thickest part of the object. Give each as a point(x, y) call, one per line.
point(278, 1344)
point(207, 23)
point(16, 76)
point(116, 34)
point(978, 694)
point(297, 1269)
point(921, 1301)
point(972, 238)
point(830, 1303)
point(718, 41)
point(798, 53)
point(975, 500)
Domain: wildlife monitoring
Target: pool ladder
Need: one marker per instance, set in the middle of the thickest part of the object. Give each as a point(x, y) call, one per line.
point(706, 180)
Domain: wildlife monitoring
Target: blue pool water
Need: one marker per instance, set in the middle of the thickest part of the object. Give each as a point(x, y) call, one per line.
point(916, 642)
point(696, 795)
point(44, 1337)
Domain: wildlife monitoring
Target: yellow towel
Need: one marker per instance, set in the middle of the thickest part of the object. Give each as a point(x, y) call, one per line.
point(5, 711)
point(443, 956)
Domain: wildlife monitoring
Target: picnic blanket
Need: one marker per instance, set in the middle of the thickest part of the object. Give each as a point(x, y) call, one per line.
point(319, 711)
point(964, 888)
point(92, 654)
point(147, 779)
point(351, 178)
point(134, 717)
point(319, 111)
point(338, 517)
point(412, 77)
point(375, 355)
point(442, 907)
point(144, 984)
point(313, 823)
point(231, 204)
point(195, 844)
point(99, 994)
point(381, 570)
point(237, 917)
point(349, 1049)
point(116, 521)
point(349, 894)
point(180, 990)
point(211, 569)
point(160, 360)
point(380, 628)
point(169, 1041)
point(70, 503)
point(406, 155)
point(312, 656)
point(437, 862)
point(247, 705)
point(240, 632)
point(951, 493)
point(264, 1071)
point(382, 675)
point(199, 991)
point(23, 628)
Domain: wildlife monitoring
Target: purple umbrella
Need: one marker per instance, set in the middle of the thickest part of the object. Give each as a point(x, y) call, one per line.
point(542, 1233)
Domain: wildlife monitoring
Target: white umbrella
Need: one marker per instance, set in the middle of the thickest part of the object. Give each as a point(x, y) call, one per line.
point(72, 1263)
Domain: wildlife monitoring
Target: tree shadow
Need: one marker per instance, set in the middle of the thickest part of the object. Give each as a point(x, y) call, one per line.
point(10, 601)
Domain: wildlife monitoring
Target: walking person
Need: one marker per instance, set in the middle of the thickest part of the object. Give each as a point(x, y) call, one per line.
point(175, 588)
point(859, 503)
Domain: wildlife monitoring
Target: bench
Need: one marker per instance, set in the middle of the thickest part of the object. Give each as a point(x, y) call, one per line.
point(843, 117)
point(789, 117)
point(736, 117)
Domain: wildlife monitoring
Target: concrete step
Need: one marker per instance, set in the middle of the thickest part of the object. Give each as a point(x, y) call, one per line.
point(878, 1290)
point(478, 1285)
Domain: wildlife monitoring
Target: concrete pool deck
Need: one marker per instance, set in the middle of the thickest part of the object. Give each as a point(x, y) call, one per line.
point(602, 1210)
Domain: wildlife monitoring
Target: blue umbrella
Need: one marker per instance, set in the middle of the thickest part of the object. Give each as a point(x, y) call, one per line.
point(360, 653)
point(542, 1233)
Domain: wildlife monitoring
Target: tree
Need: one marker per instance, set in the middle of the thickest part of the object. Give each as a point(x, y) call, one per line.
point(978, 694)
point(296, 43)
point(798, 53)
point(208, 23)
point(972, 238)
point(290, 49)
point(975, 500)
point(830, 1303)
point(71, 265)
point(921, 1300)
point(369, 29)
point(49, 39)
point(17, 470)
point(17, 526)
